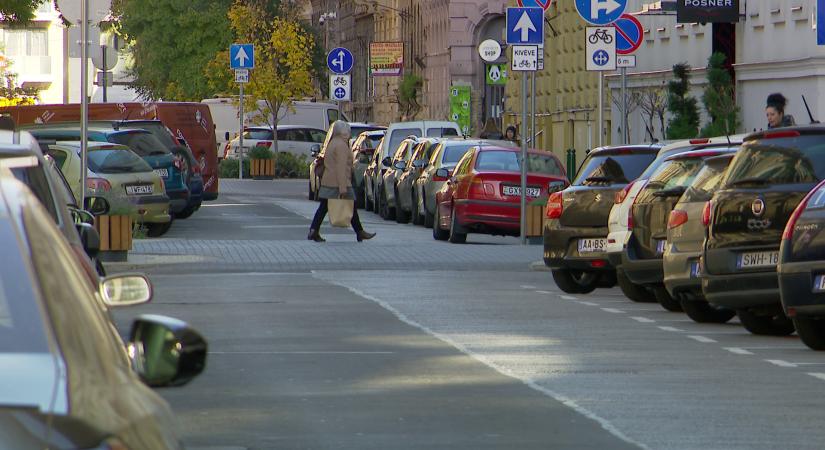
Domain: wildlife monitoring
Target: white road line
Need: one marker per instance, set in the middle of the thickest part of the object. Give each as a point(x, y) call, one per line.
point(588, 303)
point(738, 351)
point(702, 339)
point(302, 353)
point(643, 319)
point(673, 329)
point(565, 400)
point(544, 292)
point(527, 286)
point(780, 363)
point(613, 310)
point(819, 375)
point(568, 297)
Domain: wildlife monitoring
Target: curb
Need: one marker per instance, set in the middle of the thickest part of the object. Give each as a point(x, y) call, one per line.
point(538, 266)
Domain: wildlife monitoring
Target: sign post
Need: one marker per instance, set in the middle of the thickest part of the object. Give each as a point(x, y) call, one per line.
point(340, 62)
point(525, 34)
point(241, 58)
point(628, 40)
point(600, 47)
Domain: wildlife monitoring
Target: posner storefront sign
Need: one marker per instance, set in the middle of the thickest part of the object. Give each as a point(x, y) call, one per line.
point(707, 11)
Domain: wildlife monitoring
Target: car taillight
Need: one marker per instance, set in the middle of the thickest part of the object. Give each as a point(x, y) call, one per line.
point(98, 185)
point(478, 188)
point(787, 234)
point(706, 213)
point(699, 141)
point(265, 144)
point(677, 219)
point(619, 197)
point(554, 205)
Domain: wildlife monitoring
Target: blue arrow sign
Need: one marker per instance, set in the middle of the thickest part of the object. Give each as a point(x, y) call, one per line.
point(340, 60)
point(525, 26)
point(241, 56)
point(820, 22)
point(600, 12)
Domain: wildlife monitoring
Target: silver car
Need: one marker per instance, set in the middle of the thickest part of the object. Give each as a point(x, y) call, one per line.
point(406, 203)
point(386, 184)
point(363, 149)
point(445, 155)
point(685, 238)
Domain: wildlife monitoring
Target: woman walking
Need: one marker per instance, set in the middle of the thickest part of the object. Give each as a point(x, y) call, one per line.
point(336, 181)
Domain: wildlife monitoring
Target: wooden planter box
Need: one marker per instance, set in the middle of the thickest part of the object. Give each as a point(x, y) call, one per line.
point(535, 220)
point(262, 169)
point(115, 236)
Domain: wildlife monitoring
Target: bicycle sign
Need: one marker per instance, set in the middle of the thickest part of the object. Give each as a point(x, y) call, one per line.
point(601, 48)
point(525, 58)
point(339, 87)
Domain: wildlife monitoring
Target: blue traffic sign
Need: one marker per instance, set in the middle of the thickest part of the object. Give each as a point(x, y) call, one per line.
point(601, 58)
point(600, 12)
point(525, 26)
point(628, 34)
point(241, 56)
point(340, 60)
point(820, 22)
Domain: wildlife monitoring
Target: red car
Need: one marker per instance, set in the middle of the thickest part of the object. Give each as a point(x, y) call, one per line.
point(483, 194)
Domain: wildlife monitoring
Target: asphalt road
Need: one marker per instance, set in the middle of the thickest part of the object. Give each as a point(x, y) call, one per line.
point(405, 342)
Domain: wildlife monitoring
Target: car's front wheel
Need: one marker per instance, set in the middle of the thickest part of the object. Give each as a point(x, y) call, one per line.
point(701, 311)
point(766, 325)
point(811, 330)
point(575, 281)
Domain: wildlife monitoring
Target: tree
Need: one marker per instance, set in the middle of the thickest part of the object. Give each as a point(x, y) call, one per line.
point(18, 12)
point(653, 104)
point(170, 42)
point(633, 103)
point(408, 95)
point(719, 99)
point(283, 62)
point(10, 93)
point(684, 124)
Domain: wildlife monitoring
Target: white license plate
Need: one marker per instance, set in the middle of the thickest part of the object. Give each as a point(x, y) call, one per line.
point(660, 246)
point(592, 245)
point(162, 172)
point(694, 269)
point(758, 259)
point(516, 191)
point(819, 283)
point(140, 190)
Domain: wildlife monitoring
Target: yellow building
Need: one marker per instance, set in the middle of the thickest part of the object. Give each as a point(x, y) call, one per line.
point(566, 94)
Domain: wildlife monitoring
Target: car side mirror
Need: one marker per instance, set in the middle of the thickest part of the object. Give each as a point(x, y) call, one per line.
point(89, 237)
point(400, 165)
point(166, 351)
point(420, 164)
point(442, 173)
point(96, 205)
point(315, 150)
point(556, 186)
point(126, 290)
point(386, 162)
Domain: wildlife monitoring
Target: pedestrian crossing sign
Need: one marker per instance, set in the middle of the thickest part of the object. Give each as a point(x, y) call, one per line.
point(496, 74)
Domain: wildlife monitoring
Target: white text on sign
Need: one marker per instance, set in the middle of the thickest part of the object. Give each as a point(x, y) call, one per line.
point(525, 58)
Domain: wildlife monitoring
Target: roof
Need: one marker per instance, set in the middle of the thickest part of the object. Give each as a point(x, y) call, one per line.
point(652, 147)
point(534, 151)
point(90, 144)
point(91, 129)
point(366, 125)
point(281, 127)
point(373, 133)
point(732, 139)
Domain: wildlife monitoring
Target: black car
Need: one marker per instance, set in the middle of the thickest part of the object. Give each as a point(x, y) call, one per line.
point(642, 257)
point(575, 236)
point(765, 182)
point(802, 269)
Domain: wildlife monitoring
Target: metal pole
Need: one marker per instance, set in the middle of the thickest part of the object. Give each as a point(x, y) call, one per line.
point(84, 92)
point(533, 133)
point(625, 135)
point(600, 129)
point(105, 71)
point(524, 106)
point(240, 138)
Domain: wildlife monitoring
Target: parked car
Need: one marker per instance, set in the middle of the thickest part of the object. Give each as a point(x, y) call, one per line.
point(801, 269)
point(374, 172)
point(685, 237)
point(649, 215)
point(20, 155)
point(356, 128)
point(363, 149)
point(483, 195)
point(142, 142)
point(295, 139)
point(67, 378)
point(399, 131)
point(406, 204)
point(619, 232)
point(575, 234)
point(446, 155)
point(121, 179)
point(385, 187)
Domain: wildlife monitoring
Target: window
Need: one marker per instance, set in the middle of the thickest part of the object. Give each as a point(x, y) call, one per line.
point(616, 168)
point(27, 42)
point(441, 132)
point(59, 156)
point(779, 161)
point(399, 135)
point(332, 115)
point(35, 179)
point(294, 135)
point(122, 160)
point(509, 162)
point(453, 153)
point(401, 153)
point(143, 143)
point(317, 136)
point(707, 181)
point(464, 164)
point(260, 134)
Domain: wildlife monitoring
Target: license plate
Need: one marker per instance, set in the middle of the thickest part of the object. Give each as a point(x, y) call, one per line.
point(758, 259)
point(592, 245)
point(140, 190)
point(660, 246)
point(819, 283)
point(162, 172)
point(516, 191)
point(694, 269)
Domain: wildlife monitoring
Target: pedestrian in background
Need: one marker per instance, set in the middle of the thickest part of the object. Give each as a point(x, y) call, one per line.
point(775, 112)
point(336, 181)
point(510, 134)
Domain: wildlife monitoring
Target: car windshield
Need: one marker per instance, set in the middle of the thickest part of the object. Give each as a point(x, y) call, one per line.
point(142, 143)
point(509, 162)
point(613, 167)
point(116, 161)
point(799, 159)
point(441, 132)
point(453, 153)
point(398, 136)
point(707, 181)
point(258, 134)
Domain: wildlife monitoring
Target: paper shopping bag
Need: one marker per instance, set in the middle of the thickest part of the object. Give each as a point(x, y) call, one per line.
point(340, 212)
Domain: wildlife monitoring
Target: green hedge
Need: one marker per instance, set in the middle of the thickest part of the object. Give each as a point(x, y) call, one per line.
point(287, 165)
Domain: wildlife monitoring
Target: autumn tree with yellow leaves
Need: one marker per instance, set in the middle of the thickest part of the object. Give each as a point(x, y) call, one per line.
point(283, 63)
point(10, 93)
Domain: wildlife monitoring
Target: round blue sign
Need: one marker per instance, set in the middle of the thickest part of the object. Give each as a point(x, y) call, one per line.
point(600, 12)
point(628, 34)
point(340, 60)
point(601, 58)
point(340, 93)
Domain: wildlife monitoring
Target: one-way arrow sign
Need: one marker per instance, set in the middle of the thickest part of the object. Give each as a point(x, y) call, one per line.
point(241, 56)
point(525, 26)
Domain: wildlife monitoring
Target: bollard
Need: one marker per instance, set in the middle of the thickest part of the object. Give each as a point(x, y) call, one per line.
point(571, 164)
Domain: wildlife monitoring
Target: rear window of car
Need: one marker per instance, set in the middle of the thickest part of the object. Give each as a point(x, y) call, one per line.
point(676, 173)
point(144, 144)
point(453, 153)
point(398, 136)
point(258, 135)
point(117, 161)
point(441, 132)
point(791, 160)
point(707, 181)
point(158, 130)
point(509, 161)
point(615, 168)
point(35, 179)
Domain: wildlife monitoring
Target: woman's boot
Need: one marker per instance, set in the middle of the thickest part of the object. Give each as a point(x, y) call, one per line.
point(314, 235)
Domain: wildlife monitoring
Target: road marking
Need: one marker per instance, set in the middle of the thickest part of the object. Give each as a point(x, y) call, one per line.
point(267, 227)
point(567, 297)
point(819, 375)
point(780, 363)
point(738, 351)
point(613, 310)
point(673, 329)
point(302, 353)
point(527, 286)
point(544, 292)
point(643, 320)
point(702, 339)
point(215, 205)
point(588, 303)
